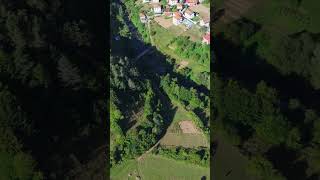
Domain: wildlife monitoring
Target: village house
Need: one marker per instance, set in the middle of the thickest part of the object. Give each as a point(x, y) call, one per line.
point(167, 12)
point(177, 18)
point(188, 13)
point(206, 38)
point(179, 6)
point(143, 18)
point(155, 1)
point(205, 22)
point(191, 2)
point(157, 9)
point(145, 1)
point(172, 2)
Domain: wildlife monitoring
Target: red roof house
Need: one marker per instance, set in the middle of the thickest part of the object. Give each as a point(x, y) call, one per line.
point(192, 2)
point(206, 38)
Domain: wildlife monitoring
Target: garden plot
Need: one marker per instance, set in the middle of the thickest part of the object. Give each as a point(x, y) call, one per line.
point(188, 127)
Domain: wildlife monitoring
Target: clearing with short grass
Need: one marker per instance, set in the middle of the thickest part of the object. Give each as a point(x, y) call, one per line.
point(154, 167)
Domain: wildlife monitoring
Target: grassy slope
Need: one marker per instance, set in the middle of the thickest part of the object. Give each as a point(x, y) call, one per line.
point(158, 168)
point(162, 39)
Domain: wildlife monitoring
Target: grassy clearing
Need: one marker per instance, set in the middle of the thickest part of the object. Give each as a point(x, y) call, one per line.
point(158, 168)
point(161, 168)
point(121, 172)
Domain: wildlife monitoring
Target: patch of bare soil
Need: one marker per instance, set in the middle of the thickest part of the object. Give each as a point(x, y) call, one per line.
point(183, 64)
point(188, 127)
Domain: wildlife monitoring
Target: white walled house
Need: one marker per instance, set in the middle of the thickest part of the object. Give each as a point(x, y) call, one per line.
point(145, 1)
point(189, 14)
point(143, 18)
point(179, 6)
point(205, 22)
point(157, 9)
point(155, 1)
point(206, 39)
point(191, 2)
point(172, 2)
point(177, 18)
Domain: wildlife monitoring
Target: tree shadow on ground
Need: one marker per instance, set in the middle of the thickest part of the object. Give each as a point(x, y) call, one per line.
point(286, 161)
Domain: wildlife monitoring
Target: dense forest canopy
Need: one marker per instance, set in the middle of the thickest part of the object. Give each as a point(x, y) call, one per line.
point(51, 69)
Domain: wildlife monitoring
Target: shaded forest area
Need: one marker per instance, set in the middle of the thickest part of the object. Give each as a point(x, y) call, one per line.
point(266, 98)
point(52, 82)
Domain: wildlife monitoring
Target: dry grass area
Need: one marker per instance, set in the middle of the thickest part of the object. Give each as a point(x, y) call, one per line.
point(188, 127)
point(162, 21)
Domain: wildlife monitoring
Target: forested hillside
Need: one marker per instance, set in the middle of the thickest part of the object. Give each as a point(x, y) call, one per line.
point(147, 96)
point(52, 66)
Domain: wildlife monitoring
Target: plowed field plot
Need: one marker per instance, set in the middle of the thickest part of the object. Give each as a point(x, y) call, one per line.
point(188, 127)
point(185, 140)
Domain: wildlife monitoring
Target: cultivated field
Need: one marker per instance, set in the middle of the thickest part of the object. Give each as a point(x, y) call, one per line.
point(154, 167)
point(185, 140)
point(188, 127)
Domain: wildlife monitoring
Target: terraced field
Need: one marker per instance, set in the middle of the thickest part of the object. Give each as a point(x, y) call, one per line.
point(185, 140)
point(175, 136)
